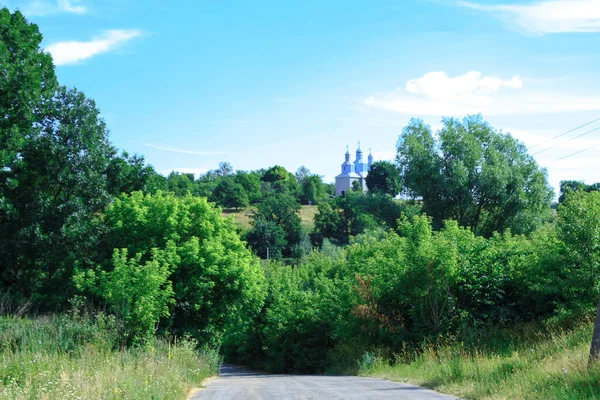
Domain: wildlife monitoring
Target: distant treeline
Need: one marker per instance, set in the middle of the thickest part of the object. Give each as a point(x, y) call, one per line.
point(239, 189)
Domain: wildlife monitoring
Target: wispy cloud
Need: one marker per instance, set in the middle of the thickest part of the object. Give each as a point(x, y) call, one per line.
point(72, 52)
point(185, 151)
point(547, 16)
point(49, 7)
point(438, 94)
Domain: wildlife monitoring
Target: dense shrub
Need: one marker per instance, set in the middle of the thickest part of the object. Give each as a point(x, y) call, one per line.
point(179, 242)
point(393, 290)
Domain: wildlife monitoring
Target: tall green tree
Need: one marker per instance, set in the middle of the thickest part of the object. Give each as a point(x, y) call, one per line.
point(384, 177)
point(180, 184)
point(474, 174)
point(312, 189)
point(129, 173)
point(61, 189)
point(282, 209)
point(250, 181)
point(267, 239)
point(230, 194)
point(27, 85)
point(281, 180)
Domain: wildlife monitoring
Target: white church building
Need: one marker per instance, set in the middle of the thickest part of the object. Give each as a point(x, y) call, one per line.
point(353, 171)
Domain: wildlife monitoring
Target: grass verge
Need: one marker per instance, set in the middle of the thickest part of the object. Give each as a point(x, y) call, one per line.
point(551, 366)
point(62, 357)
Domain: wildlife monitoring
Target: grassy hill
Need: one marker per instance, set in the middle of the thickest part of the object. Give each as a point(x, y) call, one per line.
point(243, 218)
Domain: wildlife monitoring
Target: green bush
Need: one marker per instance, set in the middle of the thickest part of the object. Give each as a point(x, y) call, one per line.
point(395, 290)
point(183, 243)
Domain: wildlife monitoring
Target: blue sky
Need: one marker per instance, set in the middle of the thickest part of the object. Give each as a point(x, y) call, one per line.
point(258, 83)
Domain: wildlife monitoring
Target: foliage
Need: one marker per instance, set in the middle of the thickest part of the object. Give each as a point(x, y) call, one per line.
point(214, 277)
point(291, 333)
point(250, 181)
point(139, 295)
point(28, 83)
point(230, 194)
point(393, 290)
point(301, 173)
point(126, 174)
point(356, 213)
point(60, 189)
point(474, 174)
point(328, 222)
point(569, 271)
point(181, 184)
point(267, 239)
point(281, 180)
point(312, 190)
point(302, 249)
point(225, 169)
point(568, 187)
point(282, 209)
point(384, 177)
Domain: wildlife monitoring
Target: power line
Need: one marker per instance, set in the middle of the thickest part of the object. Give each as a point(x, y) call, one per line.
point(562, 134)
point(566, 141)
point(577, 152)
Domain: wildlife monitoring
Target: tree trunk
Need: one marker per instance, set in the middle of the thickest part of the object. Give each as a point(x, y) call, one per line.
point(595, 347)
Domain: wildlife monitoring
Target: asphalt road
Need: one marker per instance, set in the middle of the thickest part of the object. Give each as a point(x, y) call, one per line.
point(237, 383)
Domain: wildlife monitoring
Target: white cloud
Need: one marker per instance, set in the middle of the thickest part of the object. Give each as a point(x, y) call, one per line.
point(547, 16)
point(48, 7)
point(185, 151)
point(438, 94)
point(71, 52)
point(439, 86)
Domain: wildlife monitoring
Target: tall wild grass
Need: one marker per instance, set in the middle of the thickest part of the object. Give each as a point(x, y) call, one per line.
point(70, 357)
point(525, 365)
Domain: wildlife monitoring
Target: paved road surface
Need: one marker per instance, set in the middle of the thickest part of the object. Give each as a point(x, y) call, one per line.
point(237, 383)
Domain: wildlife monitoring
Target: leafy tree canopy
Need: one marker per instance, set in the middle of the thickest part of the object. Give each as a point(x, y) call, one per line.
point(213, 275)
point(384, 177)
point(474, 174)
point(282, 209)
point(230, 194)
point(312, 189)
point(28, 82)
point(61, 188)
point(267, 239)
point(281, 179)
point(568, 187)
